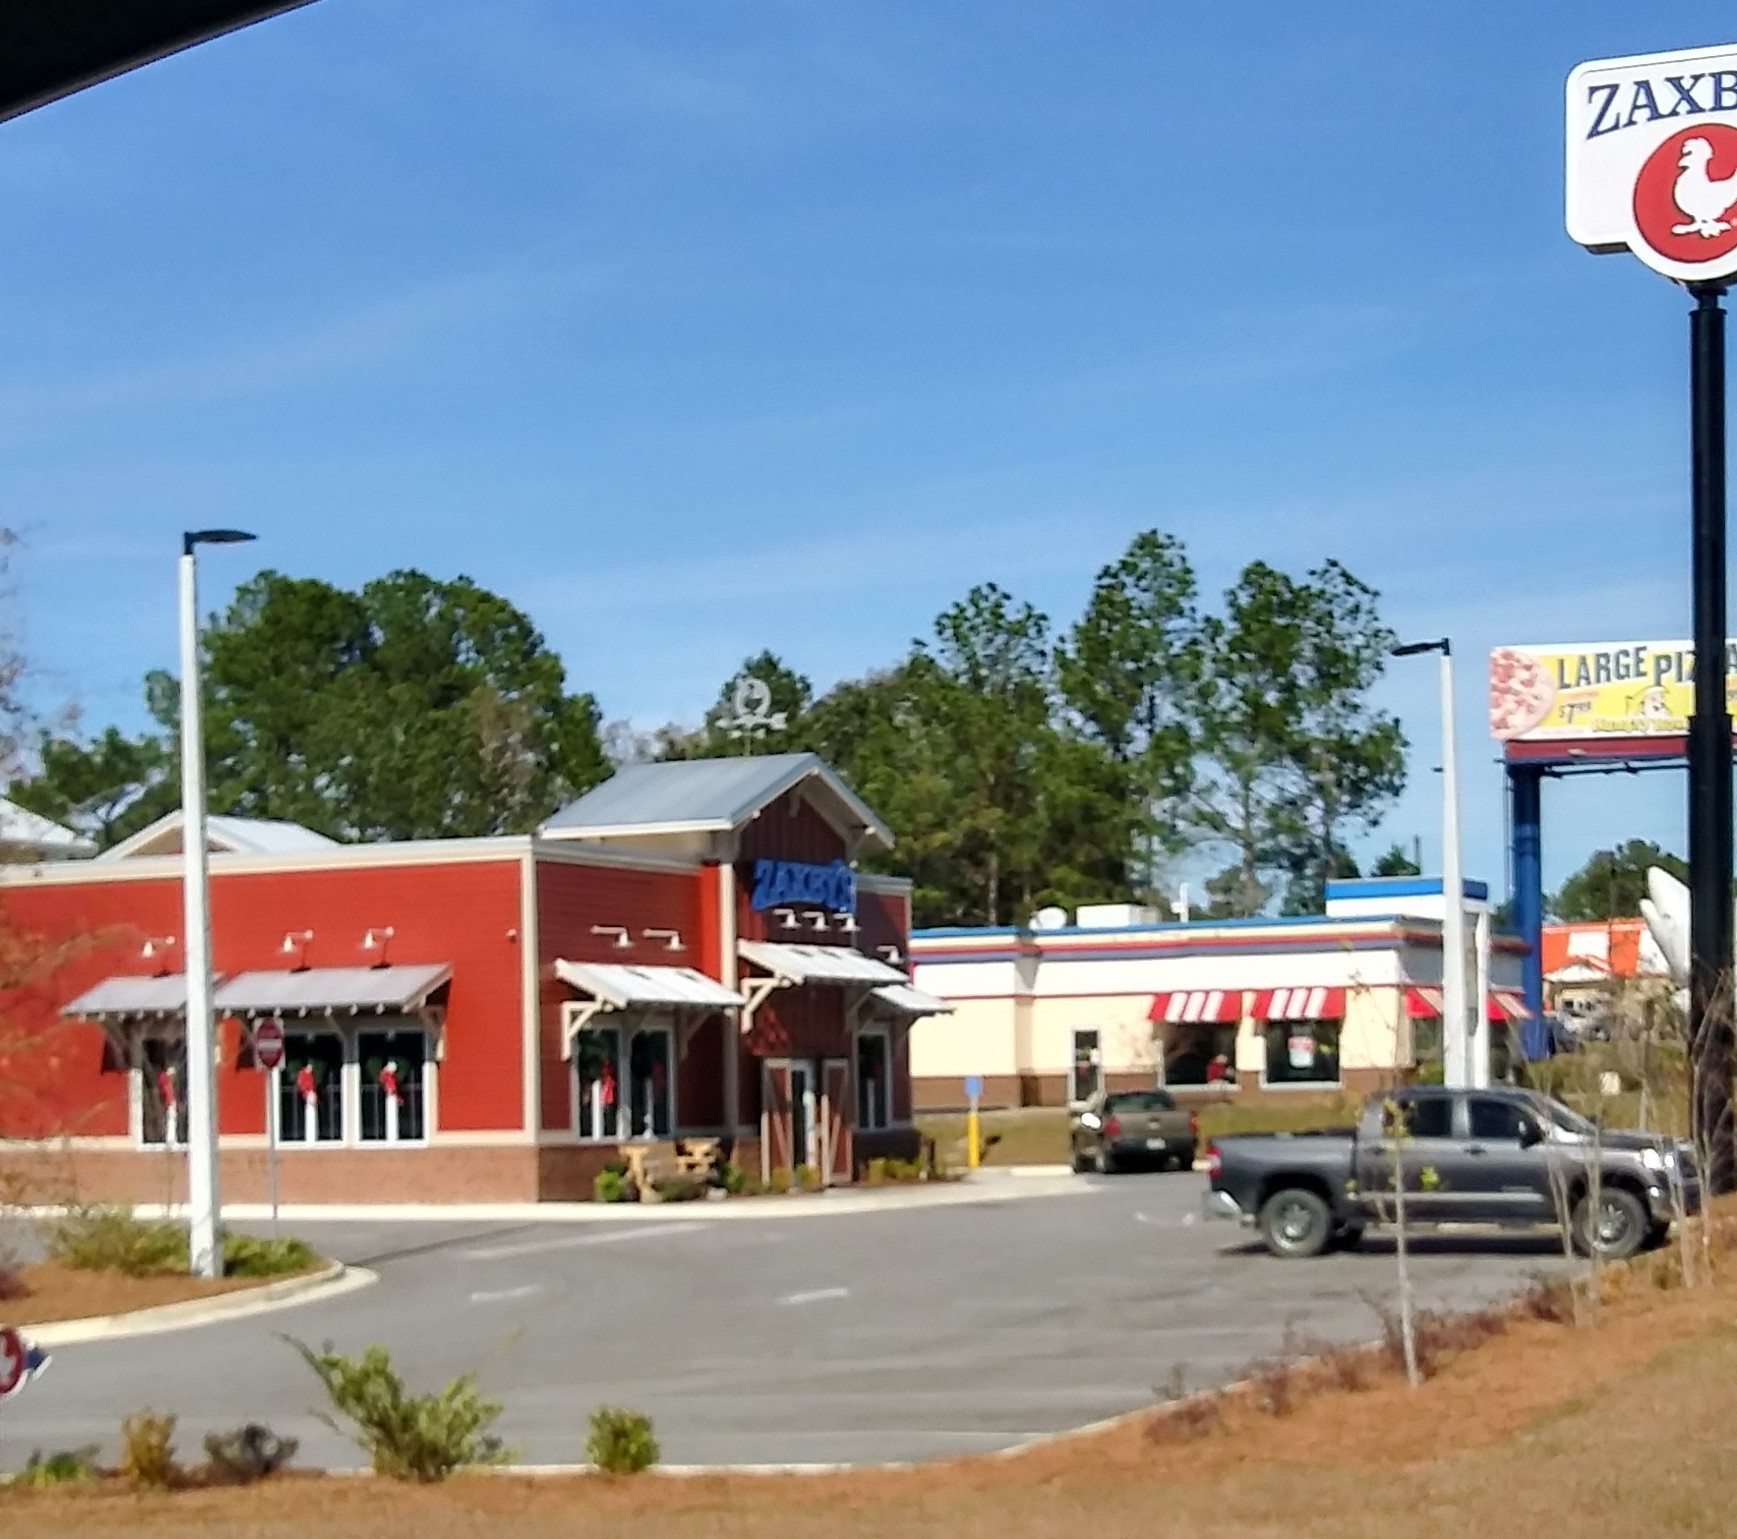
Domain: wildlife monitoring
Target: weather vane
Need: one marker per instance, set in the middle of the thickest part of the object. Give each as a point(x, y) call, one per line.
point(751, 700)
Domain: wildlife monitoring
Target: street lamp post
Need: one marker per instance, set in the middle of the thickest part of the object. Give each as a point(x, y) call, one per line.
point(1465, 1049)
point(203, 1200)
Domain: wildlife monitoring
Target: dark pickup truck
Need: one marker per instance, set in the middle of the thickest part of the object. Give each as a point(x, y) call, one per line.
point(1503, 1157)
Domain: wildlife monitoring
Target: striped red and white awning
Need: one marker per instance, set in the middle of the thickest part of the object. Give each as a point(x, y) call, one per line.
point(1422, 1000)
point(1508, 1005)
point(1302, 1004)
point(1189, 1007)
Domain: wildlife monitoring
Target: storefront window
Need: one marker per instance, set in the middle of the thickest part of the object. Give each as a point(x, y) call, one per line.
point(1083, 1072)
point(597, 1074)
point(1302, 1053)
point(162, 1087)
point(650, 1095)
point(310, 1088)
point(393, 1073)
point(1426, 1057)
point(873, 1081)
point(1200, 1055)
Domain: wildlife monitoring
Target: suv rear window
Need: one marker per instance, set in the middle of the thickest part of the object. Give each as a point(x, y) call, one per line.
point(1141, 1100)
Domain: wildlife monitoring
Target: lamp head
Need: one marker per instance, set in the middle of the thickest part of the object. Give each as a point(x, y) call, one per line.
point(1412, 648)
point(214, 537)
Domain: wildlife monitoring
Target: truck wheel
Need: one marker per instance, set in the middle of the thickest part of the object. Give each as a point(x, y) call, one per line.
point(1620, 1229)
point(1104, 1162)
point(1347, 1237)
point(1296, 1223)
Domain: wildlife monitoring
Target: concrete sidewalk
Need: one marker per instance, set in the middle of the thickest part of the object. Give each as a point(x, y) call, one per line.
point(1005, 1185)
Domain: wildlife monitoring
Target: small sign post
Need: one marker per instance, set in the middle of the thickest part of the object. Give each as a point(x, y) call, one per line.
point(268, 1055)
point(973, 1129)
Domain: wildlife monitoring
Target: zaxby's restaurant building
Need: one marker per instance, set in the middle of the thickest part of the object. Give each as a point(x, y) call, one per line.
point(685, 951)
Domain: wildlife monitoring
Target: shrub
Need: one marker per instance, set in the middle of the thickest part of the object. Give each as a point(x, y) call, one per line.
point(247, 1454)
point(246, 1256)
point(1274, 1383)
point(733, 1178)
point(780, 1182)
point(609, 1186)
point(1351, 1369)
point(808, 1178)
point(406, 1437)
point(110, 1239)
point(57, 1469)
point(148, 1449)
point(1186, 1420)
point(621, 1442)
point(680, 1189)
point(12, 1284)
point(876, 1173)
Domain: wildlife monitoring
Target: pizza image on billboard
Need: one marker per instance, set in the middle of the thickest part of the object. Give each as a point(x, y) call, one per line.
point(1521, 694)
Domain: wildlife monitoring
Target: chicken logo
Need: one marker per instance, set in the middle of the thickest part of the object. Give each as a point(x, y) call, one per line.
point(1685, 197)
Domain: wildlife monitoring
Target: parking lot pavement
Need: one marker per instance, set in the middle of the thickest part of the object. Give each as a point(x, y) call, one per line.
point(879, 1336)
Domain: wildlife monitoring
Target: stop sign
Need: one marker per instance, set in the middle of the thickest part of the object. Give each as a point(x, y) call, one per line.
point(268, 1045)
point(12, 1360)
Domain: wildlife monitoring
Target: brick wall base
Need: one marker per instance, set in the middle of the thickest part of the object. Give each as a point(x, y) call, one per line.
point(474, 1173)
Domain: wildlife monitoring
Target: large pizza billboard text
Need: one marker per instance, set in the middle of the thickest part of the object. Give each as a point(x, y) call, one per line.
point(1606, 689)
point(1652, 160)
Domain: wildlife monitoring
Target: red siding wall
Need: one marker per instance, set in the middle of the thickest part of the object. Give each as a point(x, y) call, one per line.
point(465, 913)
point(570, 900)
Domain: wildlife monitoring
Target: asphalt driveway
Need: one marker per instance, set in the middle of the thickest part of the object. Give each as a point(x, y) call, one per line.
point(877, 1336)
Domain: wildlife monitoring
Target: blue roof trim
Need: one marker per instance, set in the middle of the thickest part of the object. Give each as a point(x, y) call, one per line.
point(1176, 926)
point(1401, 887)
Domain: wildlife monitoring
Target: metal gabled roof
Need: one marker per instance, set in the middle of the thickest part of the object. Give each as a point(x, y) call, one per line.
point(705, 796)
point(225, 834)
point(797, 964)
point(131, 996)
point(619, 986)
point(905, 1000)
point(396, 990)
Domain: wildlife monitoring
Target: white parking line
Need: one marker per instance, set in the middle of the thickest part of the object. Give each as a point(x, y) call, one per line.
point(815, 1296)
point(574, 1241)
point(500, 1295)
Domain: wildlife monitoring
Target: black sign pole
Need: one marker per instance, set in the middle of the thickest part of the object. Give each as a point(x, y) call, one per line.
point(1710, 940)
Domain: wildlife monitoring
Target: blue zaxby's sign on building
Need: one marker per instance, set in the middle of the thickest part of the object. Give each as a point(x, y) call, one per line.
point(795, 884)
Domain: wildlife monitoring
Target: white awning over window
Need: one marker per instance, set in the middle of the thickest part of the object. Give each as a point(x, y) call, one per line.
point(618, 987)
point(396, 990)
point(837, 965)
point(905, 1000)
point(126, 998)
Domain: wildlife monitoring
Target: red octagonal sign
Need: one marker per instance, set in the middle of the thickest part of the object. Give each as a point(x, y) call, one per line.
point(13, 1360)
point(268, 1045)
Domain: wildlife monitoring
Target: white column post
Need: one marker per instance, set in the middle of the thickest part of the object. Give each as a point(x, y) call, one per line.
point(1456, 1042)
point(204, 1200)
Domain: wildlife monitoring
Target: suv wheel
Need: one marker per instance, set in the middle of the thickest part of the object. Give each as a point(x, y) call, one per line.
point(1296, 1223)
point(1619, 1229)
point(1104, 1162)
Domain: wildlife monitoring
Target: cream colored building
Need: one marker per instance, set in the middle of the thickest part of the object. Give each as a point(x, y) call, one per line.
point(1345, 1003)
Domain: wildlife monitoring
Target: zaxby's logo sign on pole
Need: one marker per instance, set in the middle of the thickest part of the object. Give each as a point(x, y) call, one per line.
point(1652, 160)
point(1652, 169)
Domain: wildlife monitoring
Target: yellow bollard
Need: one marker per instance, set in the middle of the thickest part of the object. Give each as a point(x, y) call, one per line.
point(973, 1137)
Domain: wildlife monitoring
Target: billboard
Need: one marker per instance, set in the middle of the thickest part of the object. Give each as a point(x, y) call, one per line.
point(1652, 160)
point(1603, 689)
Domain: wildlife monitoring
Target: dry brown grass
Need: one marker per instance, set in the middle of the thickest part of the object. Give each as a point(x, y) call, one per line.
point(1608, 1434)
point(56, 1292)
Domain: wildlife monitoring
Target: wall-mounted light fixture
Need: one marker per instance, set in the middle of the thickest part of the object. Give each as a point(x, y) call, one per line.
point(847, 923)
point(786, 917)
point(890, 955)
point(623, 936)
point(817, 922)
point(156, 949)
point(377, 938)
point(295, 944)
point(672, 939)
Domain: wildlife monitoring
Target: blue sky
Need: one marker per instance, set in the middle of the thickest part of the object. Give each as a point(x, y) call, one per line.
point(705, 326)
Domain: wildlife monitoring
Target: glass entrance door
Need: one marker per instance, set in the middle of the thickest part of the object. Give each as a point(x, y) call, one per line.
point(802, 1108)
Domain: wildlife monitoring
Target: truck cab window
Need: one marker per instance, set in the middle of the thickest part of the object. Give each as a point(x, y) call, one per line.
point(1496, 1121)
point(1428, 1117)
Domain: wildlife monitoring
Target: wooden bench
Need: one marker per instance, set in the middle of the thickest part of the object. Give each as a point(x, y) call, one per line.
point(649, 1165)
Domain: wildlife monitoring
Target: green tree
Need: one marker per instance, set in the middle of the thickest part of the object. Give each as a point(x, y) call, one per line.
point(1128, 674)
point(1612, 882)
point(414, 708)
point(1396, 862)
point(1293, 758)
point(106, 790)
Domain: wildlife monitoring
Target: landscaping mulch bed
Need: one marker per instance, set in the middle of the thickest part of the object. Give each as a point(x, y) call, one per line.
point(58, 1292)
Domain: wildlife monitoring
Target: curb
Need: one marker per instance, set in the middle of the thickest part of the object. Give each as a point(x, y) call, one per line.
point(330, 1282)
